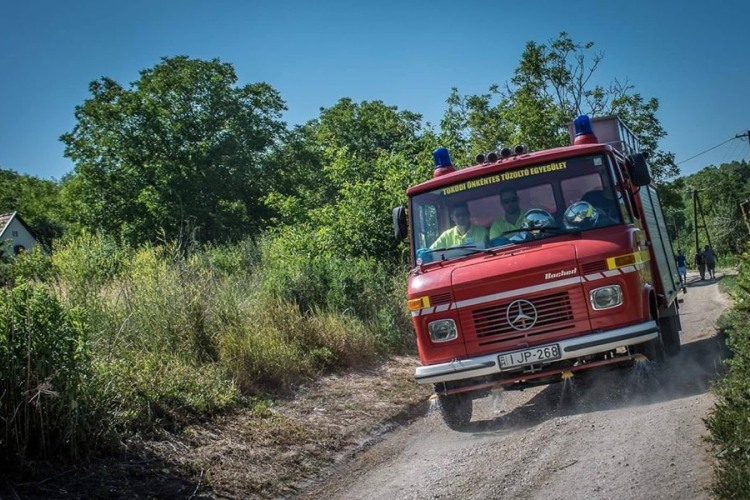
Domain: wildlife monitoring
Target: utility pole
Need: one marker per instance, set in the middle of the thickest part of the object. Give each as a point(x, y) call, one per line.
point(746, 135)
point(703, 218)
point(696, 207)
point(695, 221)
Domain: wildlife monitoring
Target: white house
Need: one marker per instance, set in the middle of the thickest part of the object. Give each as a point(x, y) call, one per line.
point(14, 229)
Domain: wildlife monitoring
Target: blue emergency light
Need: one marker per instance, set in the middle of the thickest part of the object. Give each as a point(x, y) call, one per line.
point(583, 125)
point(442, 158)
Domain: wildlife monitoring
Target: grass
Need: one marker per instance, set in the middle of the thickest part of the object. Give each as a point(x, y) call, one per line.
point(117, 341)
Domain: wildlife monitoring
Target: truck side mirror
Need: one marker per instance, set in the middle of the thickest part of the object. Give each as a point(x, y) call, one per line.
point(399, 223)
point(639, 172)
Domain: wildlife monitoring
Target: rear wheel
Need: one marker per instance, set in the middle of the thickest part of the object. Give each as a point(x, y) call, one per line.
point(456, 410)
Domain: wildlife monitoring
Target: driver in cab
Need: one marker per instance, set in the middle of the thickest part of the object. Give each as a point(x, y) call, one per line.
point(463, 233)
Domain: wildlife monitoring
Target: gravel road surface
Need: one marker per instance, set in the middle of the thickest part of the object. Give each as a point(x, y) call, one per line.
point(617, 442)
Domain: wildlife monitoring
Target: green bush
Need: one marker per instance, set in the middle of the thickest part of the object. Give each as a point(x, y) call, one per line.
point(44, 371)
point(84, 264)
point(296, 268)
point(275, 345)
point(145, 391)
point(729, 423)
point(35, 265)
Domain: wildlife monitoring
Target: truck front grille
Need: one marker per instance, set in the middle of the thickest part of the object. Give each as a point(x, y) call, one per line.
point(551, 310)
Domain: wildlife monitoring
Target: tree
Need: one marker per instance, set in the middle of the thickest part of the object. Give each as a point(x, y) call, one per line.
point(552, 84)
point(344, 171)
point(37, 200)
point(182, 149)
point(722, 189)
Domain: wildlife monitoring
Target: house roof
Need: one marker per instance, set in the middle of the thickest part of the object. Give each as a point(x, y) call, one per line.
point(5, 220)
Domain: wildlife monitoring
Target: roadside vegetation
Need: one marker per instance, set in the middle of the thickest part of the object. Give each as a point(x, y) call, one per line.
point(729, 422)
point(100, 340)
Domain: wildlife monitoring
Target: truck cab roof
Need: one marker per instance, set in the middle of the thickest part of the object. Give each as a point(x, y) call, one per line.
point(507, 164)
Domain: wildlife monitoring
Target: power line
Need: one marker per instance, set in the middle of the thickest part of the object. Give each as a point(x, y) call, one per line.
point(706, 151)
point(730, 152)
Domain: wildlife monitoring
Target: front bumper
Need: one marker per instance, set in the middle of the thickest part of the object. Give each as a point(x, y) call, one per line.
point(569, 348)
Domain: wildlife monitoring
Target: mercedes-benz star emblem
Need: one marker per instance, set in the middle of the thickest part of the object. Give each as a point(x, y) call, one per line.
point(521, 314)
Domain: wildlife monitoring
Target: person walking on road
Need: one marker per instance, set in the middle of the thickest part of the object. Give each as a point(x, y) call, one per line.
point(710, 258)
point(682, 266)
point(700, 261)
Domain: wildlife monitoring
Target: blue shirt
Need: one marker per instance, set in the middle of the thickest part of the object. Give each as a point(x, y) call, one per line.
point(681, 261)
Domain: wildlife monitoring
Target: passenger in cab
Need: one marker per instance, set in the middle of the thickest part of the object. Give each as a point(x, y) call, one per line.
point(463, 233)
point(512, 218)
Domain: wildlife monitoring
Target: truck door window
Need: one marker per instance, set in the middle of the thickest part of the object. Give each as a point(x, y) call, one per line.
point(619, 191)
point(428, 232)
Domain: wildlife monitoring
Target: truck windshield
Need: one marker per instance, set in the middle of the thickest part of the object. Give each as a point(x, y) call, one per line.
point(515, 207)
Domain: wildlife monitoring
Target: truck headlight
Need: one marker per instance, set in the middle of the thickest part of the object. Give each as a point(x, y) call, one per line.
point(606, 297)
point(443, 330)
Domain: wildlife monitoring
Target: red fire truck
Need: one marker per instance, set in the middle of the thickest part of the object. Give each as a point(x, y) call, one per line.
point(531, 266)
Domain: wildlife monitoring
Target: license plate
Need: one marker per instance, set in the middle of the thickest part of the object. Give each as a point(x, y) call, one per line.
point(529, 356)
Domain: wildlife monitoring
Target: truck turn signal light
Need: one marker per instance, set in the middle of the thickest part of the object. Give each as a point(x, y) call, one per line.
point(419, 303)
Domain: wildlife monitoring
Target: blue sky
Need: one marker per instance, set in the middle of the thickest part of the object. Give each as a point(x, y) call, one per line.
point(691, 55)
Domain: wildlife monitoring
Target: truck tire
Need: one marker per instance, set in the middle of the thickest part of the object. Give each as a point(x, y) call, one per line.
point(456, 410)
point(671, 337)
point(653, 349)
point(670, 327)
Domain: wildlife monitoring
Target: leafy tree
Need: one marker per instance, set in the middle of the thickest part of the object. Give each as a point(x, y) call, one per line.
point(552, 84)
point(37, 200)
point(182, 149)
point(345, 170)
point(722, 189)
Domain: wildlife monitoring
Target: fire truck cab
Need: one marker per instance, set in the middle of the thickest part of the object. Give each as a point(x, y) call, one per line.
point(530, 267)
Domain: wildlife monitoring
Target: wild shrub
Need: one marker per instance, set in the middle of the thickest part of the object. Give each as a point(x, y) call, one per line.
point(729, 422)
point(86, 263)
point(35, 265)
point(144, 391)
point(295, 268)
point(276, 346)
point(44, 371)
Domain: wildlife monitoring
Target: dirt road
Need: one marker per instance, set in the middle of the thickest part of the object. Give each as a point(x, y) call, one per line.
point(617, 442)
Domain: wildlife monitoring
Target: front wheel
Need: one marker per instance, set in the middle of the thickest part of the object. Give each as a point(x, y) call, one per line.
point(653, 349)
point(456, 410)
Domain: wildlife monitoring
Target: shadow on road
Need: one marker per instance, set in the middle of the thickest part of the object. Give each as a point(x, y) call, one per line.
point(136, 473)
point(688, 374)
point(697, 282)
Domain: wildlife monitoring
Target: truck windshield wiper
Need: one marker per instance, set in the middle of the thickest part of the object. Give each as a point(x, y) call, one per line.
point(460, 247)
point(552, 229)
